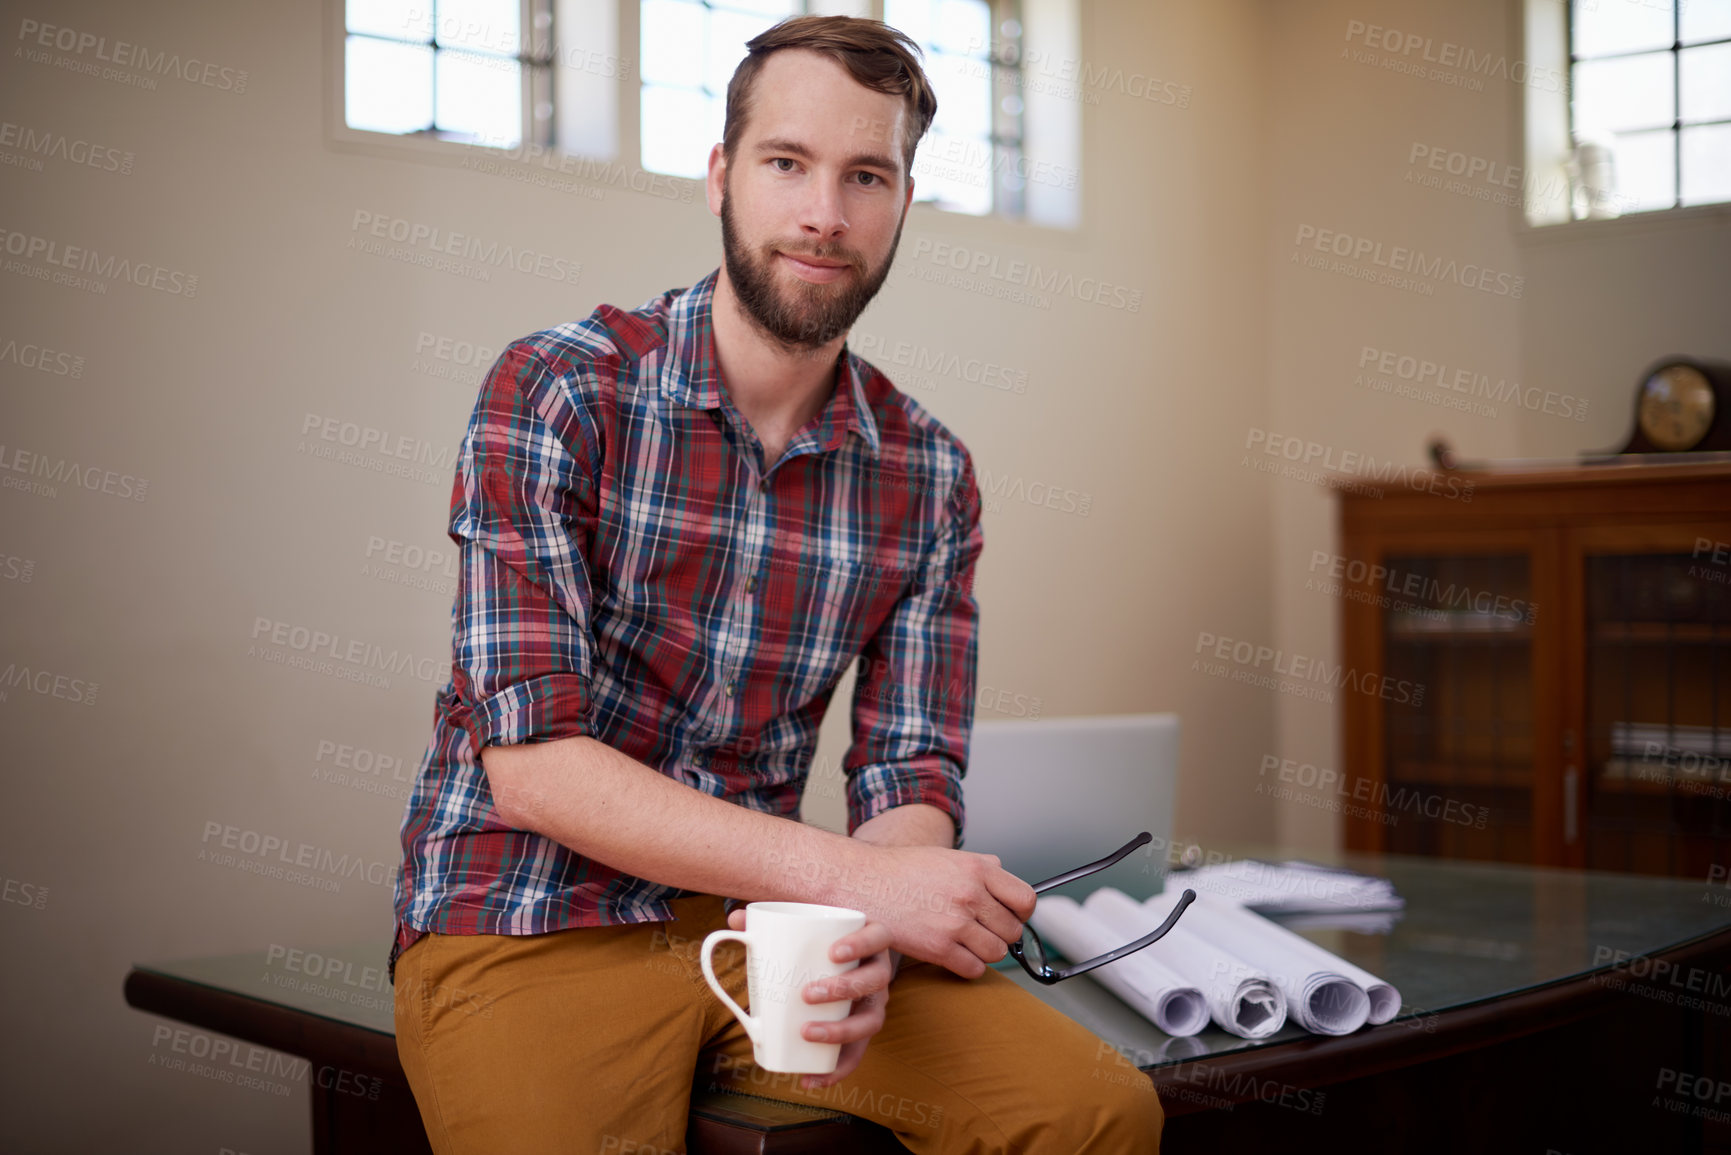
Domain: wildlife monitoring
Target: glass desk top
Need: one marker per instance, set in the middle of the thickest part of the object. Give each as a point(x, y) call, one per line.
point(1470, 932)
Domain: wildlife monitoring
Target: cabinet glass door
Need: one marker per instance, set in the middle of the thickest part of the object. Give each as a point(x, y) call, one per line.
point(1658, 712)
point(1459, 758)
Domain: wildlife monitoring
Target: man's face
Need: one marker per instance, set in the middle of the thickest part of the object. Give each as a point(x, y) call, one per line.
point(813, 201)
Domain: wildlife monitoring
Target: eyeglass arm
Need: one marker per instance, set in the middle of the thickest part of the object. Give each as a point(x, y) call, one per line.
point(1159, 932)
point(1141, 839)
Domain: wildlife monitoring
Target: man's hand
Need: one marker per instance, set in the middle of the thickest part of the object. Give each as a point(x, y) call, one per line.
point(953, 908)
point(965, 908)
point(868, 985)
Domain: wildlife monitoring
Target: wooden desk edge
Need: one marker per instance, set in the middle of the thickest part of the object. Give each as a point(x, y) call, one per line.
point(267, 1024)
point(370, 1052)
point(1245, 1076)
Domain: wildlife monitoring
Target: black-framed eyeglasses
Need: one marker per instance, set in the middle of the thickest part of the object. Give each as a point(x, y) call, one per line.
point(1032, 953)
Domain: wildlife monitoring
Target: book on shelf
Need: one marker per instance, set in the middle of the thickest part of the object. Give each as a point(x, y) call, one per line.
point(1659, 742)
point(1455, 622)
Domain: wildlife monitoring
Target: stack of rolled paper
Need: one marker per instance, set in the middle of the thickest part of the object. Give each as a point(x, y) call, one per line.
point(1241, 999)
point(1167, 1000)
point(1250, 973)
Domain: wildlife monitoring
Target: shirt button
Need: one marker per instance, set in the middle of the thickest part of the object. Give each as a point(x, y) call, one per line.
point(751, 584)
point(701, 760)
point(728, 689)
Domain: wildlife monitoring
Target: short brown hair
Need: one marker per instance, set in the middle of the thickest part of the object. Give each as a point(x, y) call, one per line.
point(879, 57)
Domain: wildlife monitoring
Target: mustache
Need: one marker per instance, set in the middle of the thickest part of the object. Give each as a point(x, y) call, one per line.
point(822, 253)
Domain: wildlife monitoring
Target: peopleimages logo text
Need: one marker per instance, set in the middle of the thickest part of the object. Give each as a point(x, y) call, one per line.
point(465, 246)
point(66, 471)
point(1448, 54)
point(128, 55)
point(1254, 658)
point(1360, 465)
point(325, 644)
point(1400, 259)
point(1027, 275)
point(109, 267)
point(1421, 371)
point(59, 146)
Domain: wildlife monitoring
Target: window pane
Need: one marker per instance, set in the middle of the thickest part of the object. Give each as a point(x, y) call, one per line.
point(402, 19)
point(1705, 81)
point(1613, 95)
point(679, 128)
point(954, 172)
point(1646, 171)
point(954, 167)
point(913, 17)
point(1706, 20)
point(964, 92)
point(963, 26)
point(672, 43)
point(1707, 164)
point(485, 25)
point(481, 96)
point(387, 87)
point(728, 32)
point(1622, 26)
point(775, 8)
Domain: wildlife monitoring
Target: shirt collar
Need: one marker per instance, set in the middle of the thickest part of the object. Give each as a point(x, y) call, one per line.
point(691, 375)
point(849, 405)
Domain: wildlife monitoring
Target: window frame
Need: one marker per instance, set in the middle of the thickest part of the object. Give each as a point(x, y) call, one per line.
point(450, 152)
point(1007, 136)
point(428, 143)
point(1675, 128)
point(1542, 30)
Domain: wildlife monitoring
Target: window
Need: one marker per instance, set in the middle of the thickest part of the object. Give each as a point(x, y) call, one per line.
point(1652, 81)
point(690, 49)
point(454, 70)
point(459, 70)
point(974, 159)
point(970, 161)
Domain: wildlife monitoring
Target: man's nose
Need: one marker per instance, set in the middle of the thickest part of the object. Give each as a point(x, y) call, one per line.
point(822, 213)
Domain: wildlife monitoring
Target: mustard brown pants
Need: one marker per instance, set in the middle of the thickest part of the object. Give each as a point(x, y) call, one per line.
point(589, 1041)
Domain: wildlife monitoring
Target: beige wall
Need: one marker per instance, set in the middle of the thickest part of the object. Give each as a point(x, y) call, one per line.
point(1597, 301)
point(156, 601)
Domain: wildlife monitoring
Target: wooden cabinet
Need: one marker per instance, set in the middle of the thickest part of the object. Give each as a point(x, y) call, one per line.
point(1564, 640)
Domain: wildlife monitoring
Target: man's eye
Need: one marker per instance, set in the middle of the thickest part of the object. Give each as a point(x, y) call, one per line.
point(869, 178)
point(781, 160)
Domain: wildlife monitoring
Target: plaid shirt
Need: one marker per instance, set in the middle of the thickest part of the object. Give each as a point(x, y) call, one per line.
point(631, 571)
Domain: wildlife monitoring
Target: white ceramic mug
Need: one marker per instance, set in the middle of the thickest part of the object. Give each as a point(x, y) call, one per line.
point(786, 948)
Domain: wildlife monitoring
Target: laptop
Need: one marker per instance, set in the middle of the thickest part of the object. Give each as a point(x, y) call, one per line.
point(1052, 794)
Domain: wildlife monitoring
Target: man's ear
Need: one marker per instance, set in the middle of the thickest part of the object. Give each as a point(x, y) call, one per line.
point(716, 179)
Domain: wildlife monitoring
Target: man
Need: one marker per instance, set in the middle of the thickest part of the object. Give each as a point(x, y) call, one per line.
point(679, 526)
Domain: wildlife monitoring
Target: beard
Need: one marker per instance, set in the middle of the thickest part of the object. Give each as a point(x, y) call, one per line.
point(801, 315)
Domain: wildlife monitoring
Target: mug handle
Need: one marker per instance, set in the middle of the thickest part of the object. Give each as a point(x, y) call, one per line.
point(709, 944)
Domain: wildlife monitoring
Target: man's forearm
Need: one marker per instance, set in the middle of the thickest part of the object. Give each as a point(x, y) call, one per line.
point(610, 807)
point(916, 824)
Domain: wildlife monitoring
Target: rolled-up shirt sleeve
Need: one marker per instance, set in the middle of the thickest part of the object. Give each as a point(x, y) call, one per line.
point(522, 642)
point(913, 705)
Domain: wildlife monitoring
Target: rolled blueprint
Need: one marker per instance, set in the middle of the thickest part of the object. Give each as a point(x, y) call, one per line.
point(1166, 1000)
point(1325, 994)
point(1384, 998)
point(1240, 1000)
